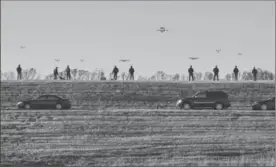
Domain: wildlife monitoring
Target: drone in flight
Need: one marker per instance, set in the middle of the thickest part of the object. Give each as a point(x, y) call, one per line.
point(162, 29)
point(57, 60)
point(22, 47)
point(240, 54)
point(218, 50)
point(81, 60)
point(193, 58)
point(124, 60)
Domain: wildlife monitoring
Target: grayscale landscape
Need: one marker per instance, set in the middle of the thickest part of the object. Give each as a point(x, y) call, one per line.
point(165, 83)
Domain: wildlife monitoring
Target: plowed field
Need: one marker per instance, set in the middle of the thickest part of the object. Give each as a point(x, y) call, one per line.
point(138, 137)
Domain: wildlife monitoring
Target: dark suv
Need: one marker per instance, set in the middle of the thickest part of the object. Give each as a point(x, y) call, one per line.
point(264, 105)
point(208, 99)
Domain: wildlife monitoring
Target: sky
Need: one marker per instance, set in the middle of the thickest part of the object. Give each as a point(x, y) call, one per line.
point(102, 33)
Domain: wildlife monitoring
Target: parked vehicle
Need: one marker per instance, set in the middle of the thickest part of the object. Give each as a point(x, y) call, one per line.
point(264, 105)
point(207, 99)
point(45, 102)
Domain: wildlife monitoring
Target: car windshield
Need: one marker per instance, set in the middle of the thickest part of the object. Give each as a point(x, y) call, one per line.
point(273, 98)
point(196, 94)
point(41, 98)
point(199, 94)
point(52, 98)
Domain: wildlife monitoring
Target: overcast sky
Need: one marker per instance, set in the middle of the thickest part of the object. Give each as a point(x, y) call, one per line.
point(101, 33)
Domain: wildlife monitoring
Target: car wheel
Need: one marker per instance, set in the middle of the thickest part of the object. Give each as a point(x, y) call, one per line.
point(27, 106)
point(58, 106)
point(264, 107)
point(219, 106)
point(186, 106)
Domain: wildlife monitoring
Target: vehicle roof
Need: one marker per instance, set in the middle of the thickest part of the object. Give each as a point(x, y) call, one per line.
point(215, 91)
point(49, 95)
point(212, 91)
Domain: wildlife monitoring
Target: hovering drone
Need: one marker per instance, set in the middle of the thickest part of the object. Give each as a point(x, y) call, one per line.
point(240, 54)
point(218, 50)
point(162, 29)
point(124, 60)
point(81, 60)
point(22, 47)
point(193, 58)
point(57, 60)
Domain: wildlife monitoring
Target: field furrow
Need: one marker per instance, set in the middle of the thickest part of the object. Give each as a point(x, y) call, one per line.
point(138, 137)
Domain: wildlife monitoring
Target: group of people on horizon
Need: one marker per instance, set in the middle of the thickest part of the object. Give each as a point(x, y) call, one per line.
point(67, 71)
point(131, 73)
point(216, 73)
point(116, 71)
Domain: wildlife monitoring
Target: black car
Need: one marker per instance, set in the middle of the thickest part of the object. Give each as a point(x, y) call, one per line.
point(45, 102)
point(264, 105)
point(207, 99)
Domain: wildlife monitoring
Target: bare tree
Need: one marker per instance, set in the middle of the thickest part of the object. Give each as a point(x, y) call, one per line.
point(103, 76)
point(141, 78)
point(29, 74)
point(8, 76)
point(208, 76)
point(228, 77)
point(74, 73)
point(160, 75)
point(183, 77)
point(198, 75)
point(152, 78)
point(247, 75)
point(176, 77)
point(261, 75)
point(123, 74)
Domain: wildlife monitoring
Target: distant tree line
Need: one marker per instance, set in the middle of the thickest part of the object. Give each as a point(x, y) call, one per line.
point(79, 74)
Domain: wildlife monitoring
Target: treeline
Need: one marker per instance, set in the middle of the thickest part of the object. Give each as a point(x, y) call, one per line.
point(78, 74)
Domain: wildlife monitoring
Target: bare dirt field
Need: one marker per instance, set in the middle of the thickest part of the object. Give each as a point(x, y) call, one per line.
point(138, 138)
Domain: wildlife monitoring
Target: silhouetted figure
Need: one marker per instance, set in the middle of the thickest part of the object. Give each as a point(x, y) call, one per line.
point(216, 72)
point(191, 73)
point(55, 73)
point(115, 73)
point(131, 72)
point(19, 72)
point(236, 72)
point(254, 72)
point(68, 73)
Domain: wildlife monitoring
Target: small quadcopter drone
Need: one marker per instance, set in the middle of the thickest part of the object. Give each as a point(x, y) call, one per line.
point(162, 29)
point(57, 60)
point(239, 54)
point(218, 50)
point(81, 60)
point(22, 47)
point(193, 58)
point(124, 60)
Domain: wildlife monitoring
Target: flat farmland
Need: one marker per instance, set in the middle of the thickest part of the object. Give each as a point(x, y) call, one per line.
point(137, 137)
point(96, 95)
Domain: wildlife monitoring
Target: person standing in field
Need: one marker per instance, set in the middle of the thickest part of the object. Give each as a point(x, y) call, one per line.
point(236, 72)
point(19, 72)
point(191, 73)
point(55, 73)
point(131, 73)
point(68, 73)
point(254, 72)
point(216, 72)
point(115, 73)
